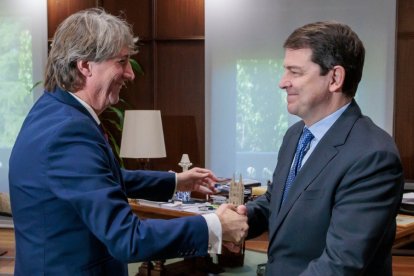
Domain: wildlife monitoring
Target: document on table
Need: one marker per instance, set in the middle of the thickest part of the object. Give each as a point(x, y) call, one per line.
point(408, 198)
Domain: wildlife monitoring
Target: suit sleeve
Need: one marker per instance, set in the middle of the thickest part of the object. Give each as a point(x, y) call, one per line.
point(80, 173)
point(258, 215)
point(151, 185)
point(366, 203)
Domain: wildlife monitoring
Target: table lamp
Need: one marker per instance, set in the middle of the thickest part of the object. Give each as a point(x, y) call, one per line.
point(185, 164)
point(142, 136)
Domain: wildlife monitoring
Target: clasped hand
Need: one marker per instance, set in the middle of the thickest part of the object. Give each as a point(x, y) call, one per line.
point(233, 219)
point(234, 225)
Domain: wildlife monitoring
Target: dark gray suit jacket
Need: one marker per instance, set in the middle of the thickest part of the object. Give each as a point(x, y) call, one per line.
point(339, 217)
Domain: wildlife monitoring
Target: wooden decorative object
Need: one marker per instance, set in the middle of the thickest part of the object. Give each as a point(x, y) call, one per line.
point(236, 192)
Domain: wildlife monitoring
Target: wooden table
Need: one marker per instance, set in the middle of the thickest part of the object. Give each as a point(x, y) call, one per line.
point(143, 212)
point(403, 236)
point(189, 266)
point(7, 243)
point(402, 265)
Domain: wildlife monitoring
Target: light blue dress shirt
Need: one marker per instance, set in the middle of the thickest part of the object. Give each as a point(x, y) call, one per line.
point(320, 128)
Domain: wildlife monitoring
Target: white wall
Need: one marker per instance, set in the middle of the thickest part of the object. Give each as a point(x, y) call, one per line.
point(254, 30)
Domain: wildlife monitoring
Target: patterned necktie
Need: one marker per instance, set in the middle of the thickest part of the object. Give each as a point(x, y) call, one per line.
point(301, 149)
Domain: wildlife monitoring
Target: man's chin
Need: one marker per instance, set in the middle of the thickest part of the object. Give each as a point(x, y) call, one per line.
point(290, 108)
point(113, 101)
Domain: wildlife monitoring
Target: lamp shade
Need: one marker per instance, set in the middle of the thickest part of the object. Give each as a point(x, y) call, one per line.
point(142, 135)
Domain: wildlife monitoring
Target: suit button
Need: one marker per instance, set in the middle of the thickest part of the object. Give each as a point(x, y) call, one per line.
point(270, 260)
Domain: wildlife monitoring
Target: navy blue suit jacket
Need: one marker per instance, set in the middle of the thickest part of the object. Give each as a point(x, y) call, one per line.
point(339, 216)
point(69, 199)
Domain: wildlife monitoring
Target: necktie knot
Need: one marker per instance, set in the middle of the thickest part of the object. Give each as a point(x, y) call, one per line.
point(305, 139)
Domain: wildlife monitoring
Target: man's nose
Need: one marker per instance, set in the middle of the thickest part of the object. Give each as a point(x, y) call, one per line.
point(284, 82)
point(129, 73)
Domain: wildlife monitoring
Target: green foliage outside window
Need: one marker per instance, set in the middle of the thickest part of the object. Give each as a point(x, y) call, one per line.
point(16, 78)
point(261, 106)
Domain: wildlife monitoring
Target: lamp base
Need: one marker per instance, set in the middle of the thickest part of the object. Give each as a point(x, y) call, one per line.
point(144, 164)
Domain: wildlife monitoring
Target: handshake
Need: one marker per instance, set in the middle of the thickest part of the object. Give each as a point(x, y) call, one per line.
point(233, 224)
point(233, 219)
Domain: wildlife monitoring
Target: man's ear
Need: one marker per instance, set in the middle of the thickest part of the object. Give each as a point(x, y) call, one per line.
point(337, 79)
point(84, 67)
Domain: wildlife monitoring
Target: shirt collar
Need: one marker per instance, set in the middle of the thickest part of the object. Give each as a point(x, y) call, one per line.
point(319, 128)
point(87, 106)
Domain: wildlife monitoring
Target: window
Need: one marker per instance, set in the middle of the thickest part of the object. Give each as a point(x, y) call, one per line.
point(246, 115)
point(23, 50)
point(261, 116)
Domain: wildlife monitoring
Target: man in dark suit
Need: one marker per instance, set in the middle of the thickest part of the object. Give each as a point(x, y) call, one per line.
point(68, 193)
point(338, 181)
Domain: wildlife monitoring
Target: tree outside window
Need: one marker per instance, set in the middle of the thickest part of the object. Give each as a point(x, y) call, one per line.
point(261, 116)
point(16, 78)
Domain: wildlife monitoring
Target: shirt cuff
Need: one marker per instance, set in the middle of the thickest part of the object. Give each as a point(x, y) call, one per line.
point(175, 187)
point(214, 233)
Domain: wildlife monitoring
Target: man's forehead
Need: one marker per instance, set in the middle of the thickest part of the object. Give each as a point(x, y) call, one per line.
point(297, 57)
point(304, 53)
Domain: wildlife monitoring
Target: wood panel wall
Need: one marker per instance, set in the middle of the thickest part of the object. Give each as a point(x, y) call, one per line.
point(58, 10)
point(404, 87)
point(171, 52)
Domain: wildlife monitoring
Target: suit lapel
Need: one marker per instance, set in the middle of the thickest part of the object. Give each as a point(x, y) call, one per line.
point(64, 97)
point(324, 152)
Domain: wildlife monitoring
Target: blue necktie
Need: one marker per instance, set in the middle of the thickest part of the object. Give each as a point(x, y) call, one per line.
point(301, 149)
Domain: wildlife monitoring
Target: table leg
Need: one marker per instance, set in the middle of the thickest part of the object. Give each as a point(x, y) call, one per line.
point(158, 268)
point(145, 269)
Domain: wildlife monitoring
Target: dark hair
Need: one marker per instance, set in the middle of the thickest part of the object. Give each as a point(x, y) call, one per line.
point(332, 44)
point(92, 35)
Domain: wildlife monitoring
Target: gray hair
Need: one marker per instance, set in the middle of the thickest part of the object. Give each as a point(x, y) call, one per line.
point(91, 35)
